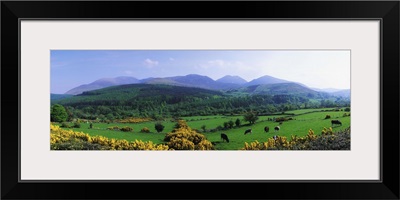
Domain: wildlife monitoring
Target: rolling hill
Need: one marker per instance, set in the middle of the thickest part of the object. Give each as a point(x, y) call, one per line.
point(194, 80)
point(289, 88)
point(342, 93)
point(130, 93)
point(102, 83)
point(191, 80)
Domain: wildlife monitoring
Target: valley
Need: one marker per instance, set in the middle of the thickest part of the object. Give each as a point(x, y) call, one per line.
point(128, 109)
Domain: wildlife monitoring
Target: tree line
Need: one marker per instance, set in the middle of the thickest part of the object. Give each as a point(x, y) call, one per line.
point(157, 107)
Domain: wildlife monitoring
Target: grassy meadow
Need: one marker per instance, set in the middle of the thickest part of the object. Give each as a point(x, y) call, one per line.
point(303, 121)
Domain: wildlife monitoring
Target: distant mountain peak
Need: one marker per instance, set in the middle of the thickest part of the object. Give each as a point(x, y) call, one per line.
point(265, 80)
point(232, 79)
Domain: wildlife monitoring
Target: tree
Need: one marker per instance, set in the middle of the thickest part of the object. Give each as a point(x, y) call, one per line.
point(231, 123)
point(70, 115)
point(110, 117)
point(226, 125)
point(250, 117)
point(159, 127)
point(237, 122)
point(58, 113)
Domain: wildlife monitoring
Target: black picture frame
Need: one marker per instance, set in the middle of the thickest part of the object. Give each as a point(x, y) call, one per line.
point(13, 11)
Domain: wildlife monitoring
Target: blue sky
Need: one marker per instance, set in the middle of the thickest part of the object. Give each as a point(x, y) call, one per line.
point(320, 69)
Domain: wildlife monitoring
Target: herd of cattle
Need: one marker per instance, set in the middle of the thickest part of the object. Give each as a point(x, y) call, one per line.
point(224, 137)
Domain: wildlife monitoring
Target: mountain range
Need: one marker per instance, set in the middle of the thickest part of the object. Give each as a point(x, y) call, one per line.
point(103, 83)
point(262, 85)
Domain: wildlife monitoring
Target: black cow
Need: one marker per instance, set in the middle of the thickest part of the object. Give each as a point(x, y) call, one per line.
point(336, 122)
point(224, 137)
point(277, 128)
point(266, 129)
point(248, 131)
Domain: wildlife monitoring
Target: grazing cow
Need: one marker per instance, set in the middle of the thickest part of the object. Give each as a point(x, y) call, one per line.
point(336, 122)
point(248, 131)
point(277, 128)
point(224, 137)
point(266, 129)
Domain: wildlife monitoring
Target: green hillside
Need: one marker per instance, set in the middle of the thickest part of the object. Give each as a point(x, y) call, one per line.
point(160, 101)
point(131, 93)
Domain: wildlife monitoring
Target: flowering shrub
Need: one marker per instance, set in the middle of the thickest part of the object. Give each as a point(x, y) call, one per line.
point(204, 145)
point(328, 140)
point(70, 140)
point(115, 128)
point(126, 129)
point(134, 120)
point(145, 130)
point(181, 144)
point(327, 131)
point(184, 138)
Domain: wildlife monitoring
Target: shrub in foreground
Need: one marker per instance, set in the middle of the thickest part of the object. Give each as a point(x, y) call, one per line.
point(328, 140)
point(70, 140)
point(184, 138)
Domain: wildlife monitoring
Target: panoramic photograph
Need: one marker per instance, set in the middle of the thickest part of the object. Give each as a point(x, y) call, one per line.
point(214, 100)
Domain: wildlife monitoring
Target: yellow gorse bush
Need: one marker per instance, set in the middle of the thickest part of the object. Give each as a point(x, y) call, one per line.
point(59, 136)
point(145, 130)
point(311, 135)
point(113, 128)
point(134, 120)
point(204, 145)
point(185, 138)
point(255, 146)
point(327, 131)
point(283, 143)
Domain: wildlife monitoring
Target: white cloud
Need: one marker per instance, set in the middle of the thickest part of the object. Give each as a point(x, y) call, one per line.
point(150, 63)
point(219, 63)
point(128, 72)
point(214, 64)
point(171, 59)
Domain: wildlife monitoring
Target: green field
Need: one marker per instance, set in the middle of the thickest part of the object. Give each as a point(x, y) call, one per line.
point(303, 120)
